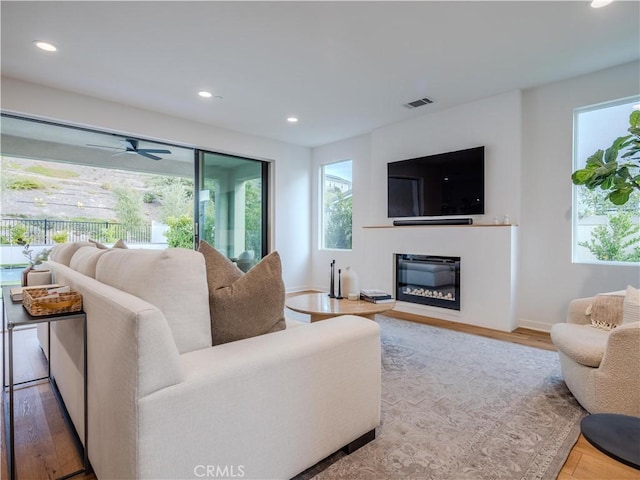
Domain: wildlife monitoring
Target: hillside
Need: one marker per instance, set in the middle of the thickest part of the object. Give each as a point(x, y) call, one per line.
point(38, 190)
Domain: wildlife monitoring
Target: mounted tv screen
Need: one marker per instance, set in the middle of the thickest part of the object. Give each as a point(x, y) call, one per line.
point(443, 184)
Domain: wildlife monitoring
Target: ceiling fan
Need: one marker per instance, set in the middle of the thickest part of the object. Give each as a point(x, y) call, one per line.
point(130, 145)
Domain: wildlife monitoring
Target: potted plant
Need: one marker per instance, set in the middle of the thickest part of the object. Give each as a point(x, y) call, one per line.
point(34, 260)
point(620, 176)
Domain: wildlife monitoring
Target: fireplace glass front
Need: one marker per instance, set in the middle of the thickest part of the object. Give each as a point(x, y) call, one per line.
point(428, 280)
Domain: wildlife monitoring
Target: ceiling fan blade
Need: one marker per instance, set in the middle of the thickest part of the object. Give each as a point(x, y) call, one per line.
point(148, 155)
point(129, 144)
point(153, 150)
point(103, 146)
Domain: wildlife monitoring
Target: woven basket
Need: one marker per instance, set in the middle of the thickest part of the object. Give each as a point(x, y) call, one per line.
point(37, 306)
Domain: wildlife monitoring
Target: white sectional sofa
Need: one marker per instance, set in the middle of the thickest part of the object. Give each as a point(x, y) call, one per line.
point(164, 403)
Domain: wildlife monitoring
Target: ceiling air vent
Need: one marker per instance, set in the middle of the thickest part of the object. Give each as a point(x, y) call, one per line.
point(418, 103)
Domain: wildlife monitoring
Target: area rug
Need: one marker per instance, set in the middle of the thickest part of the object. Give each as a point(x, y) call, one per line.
point(458, 406)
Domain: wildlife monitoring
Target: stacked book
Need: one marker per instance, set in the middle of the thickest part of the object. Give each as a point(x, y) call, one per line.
point(16, 293)
point(376, 296)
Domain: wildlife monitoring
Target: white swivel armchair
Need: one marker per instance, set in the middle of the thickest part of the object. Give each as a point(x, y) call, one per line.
point(600, 367)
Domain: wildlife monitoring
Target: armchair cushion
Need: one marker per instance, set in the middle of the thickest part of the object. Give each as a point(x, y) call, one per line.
point(582, 343)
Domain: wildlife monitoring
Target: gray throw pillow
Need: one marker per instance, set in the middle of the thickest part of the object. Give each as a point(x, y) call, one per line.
point(243, 305)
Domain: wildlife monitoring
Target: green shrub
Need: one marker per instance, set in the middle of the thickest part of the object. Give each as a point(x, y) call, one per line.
point(60, 237)
point(25, 183)
point(180, 232)
point(149, 197)
point(19, 235)
point(110, 234)
point(616, 242)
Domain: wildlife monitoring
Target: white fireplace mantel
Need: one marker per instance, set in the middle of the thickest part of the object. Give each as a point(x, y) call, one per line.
point(488, 268)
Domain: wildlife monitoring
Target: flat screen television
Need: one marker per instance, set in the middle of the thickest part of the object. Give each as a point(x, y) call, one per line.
point(444, 184)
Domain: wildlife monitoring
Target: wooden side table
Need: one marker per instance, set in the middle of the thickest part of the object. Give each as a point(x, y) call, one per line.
point(321, 307)
point(15, 316)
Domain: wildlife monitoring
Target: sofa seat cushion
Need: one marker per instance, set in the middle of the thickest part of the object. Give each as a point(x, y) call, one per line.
point(173, 280)
point(582, 343)
point(85, 259)
point(243, 305)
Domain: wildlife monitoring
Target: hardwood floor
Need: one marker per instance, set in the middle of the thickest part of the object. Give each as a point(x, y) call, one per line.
point(45, 448)
point(45, 445)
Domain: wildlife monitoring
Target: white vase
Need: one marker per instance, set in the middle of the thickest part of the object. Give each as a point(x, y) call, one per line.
point(349, 282)
point(38, 277)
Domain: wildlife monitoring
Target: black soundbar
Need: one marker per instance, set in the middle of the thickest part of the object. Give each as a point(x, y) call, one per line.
point(439, 221)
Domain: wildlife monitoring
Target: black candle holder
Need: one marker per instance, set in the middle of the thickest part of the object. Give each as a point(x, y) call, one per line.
point(339, 296)
point(332, 292)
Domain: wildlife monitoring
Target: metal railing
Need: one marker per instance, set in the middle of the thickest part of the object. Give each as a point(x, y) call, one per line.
point(43, 232)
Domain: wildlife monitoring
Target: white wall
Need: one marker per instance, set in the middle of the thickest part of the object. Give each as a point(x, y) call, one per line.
point(357, 150)
point(291, 226)
point(548, 279)
point(494, 123)
point(529, 138)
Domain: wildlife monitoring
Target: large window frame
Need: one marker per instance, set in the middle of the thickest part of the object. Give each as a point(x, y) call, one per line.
point(223, 203)
point(598, 225)
point(78, 141)
point(336, 212)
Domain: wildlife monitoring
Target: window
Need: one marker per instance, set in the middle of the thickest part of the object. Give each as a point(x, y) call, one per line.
point(233, 206)
point(63, 183)
point(603, 232)
point(336, 205)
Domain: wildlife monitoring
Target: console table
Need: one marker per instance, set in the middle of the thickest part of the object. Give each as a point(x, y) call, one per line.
point(14, 316)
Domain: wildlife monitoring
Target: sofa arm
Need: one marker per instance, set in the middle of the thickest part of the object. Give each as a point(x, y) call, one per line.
point(577, 311)
point(272, 405)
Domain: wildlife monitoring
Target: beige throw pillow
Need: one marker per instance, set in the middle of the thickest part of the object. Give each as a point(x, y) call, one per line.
point(98, 244)
point(243, 305)
point(119, 244)
point(606, 311)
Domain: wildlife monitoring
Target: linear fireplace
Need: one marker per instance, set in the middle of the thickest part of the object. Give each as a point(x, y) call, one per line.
point(428, 280)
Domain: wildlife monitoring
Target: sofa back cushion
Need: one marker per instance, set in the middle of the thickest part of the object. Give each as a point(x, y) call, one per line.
point(173, 280)
point(85, 259)
point(63, 252)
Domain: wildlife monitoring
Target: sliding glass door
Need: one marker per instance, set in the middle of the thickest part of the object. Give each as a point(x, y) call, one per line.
point(232, 206)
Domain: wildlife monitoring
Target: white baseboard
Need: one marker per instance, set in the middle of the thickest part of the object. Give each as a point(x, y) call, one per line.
point(533, 325)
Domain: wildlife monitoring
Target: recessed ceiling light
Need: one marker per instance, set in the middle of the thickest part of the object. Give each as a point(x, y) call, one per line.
point(292, 119)
point(205, 94)
point(47, 47)
point(600, 3)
